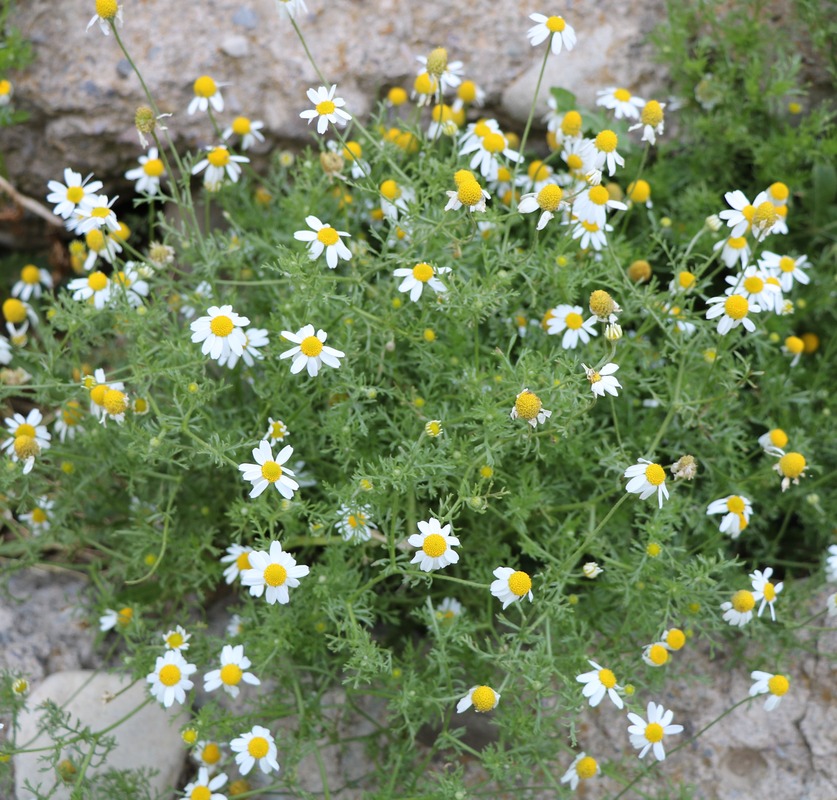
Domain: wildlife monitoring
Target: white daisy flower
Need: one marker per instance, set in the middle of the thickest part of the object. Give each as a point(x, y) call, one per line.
point(68, 196)
point(435, 546)
point(765, 591)
point(605, 145)
point(562, 34)
point(831, 564)
point(598, 683)
point(128, 284)
point(99, 245)
point(652, 122)
point(169, 681)
point(95, 288)
point(235, 627)
point(791, 466)
point(219, 162)
point(415, 279)
point(207, 93)
point(733, 311)
point(603, 380)
point(220, 331)
point(95, 213)
point(487, 150)
point(623, 104)
point(324, 237)
point(204, 788)
point(753, 284)
point(232, 672)
point(739, 611)
point(310, 352)
point(395, 199)
point(734, 250)
point(451, 76)
point(579, 155)
point(268, 470)
point(108, 12)
point(767, 683)
point(98, 386)
point(567, 319)
point(249, 131)
point(254, 340)
point(354, 524)
point(292, 7)
point(591, 234)
point(448, 610)
point(482, 698)
point(27, 438)
point(737, 511)
point(148, 174)
point(788, 269)
point(582, 768)
point(649, 735)
point(5, 351)
point(468, 194)
point(276, 430)
point(32, 282)
point(656, 654)
point(38, 519)
point(203, 291)
point(255, 747)
point(237, 560)
point(548, 200)
point(177, 639)
point(327, 108)
point(116, 619)
point(528, 406)
point(760, 216)
point(774, 439)
point(511, 586)
point(673, 639)
point(646, 478)
point(272, 573)
point(591, 204)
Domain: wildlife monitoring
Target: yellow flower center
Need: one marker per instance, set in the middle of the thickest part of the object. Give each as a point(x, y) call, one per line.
point(30, 274)
point(153, 168)
point(97, 281)
point(25, 429)
point(352, 151)
point(655, 474)
point(100, 212)
point(779, 191)
point(528, 405)
point(231, 674)
point(422, 272)
point(425, 84)
point(574, 162)
point(748, 212)
point(556, 24)
point(258, 747)
point(778, 685)
point(242, 561)
point(794, 344)
point(743, 601)
point(607, 678)
point(174, 640)
point(39, 516)
point(169, 675)
point(221, 325)
point(275, 575)
point(486, 472)
point(658, 654)
point(606, 141)
point(652, 114)
point(98, 392)
point(622, 95)
point(106, 9)
point(325, 107)
point(549, 198)
point(494, 142)
point(327, 235)
point(205, 86)
point(538, 171)
point(483, 698)
point(639, 191)
point(95, 240)
point(686, 280)
point(792, 465)
point(520, 583)
point(241, 126)
point(676, 639)
point(787, 264)
point(467, 91)
point(390, 190)
point(271, 471)
point(14, 311)
point(211, 753)
point(115, 402)
point(769, 592)
point(573, 321)
point(397, 96)
point(75, 194)
point(218, 157)
point(654, 732)
point(778, 437)
point(434, 545)
point(200, 793)
point(469, 193)
point(586, 768)
point(598, 195)
point(593, 376)
point(437, 61)
point(311, 346)
point(765, 216)
point(26, 446)
point(736, 306)
point(753, 284)
point(735, 504)
point(571, 124)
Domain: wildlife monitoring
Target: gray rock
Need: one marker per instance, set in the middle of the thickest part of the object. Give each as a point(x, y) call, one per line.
point(150, 739)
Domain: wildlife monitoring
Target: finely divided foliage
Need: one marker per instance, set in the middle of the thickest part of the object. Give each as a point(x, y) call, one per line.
point(467, 496)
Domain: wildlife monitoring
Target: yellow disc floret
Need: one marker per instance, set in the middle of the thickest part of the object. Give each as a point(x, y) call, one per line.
point(606, 141)
point(437, 61)
point(736, 306)
point(652, 114)
point(469, 193)
point(571, 124)
point(657, 654)
point(231, 674)
point(520, 583)
point(275, 575)
point(555, 24)
point(528, 405)
point(218, 156)
point(586, 768)
point(434, 545)
point(205, 86)
point(422, 272)
point(549, 198)
point(271, 471)
point(221, 325)
point(792, 465)
point(655, 474)
point(311, 346)
point(794, 344)
point(602, 304)
point(14, 311)
point(107, 9)
point(327, 236)
point(675, 639)
point(258, 747)
point(743, 601)
point(654, 732)
point(778, 685)
point(169, 675)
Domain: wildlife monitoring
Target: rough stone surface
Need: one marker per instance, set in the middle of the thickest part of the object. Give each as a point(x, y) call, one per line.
point(84, 118)
point(150, 739)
